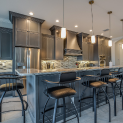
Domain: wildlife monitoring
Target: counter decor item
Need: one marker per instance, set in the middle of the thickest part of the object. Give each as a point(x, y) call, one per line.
point(110, 64)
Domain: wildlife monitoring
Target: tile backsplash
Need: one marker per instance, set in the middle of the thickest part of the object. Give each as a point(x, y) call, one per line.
point(5, 64)
point(67, 62)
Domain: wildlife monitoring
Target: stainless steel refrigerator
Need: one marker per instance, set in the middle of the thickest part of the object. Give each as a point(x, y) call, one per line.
point(26, 58)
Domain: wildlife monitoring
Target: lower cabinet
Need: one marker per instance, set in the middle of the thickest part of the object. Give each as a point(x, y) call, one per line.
point(5, 44)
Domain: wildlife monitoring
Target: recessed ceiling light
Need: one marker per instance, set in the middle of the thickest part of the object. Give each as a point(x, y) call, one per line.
point(31, 13)
point(76, 25)
point(101, 33)
point(90, 30)
point(110, 36)
point(57, 21)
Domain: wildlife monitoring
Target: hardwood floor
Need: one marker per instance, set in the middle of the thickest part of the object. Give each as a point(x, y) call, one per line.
point(87, 115)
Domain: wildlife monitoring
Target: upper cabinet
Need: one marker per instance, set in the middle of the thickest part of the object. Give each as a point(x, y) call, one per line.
point(27, 33)
point(86, 46)
point(27, 30)
point(52, 47)
point(5, 43)
point(101, 48)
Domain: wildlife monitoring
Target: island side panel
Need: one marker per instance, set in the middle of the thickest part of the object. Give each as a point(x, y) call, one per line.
point(32, 98)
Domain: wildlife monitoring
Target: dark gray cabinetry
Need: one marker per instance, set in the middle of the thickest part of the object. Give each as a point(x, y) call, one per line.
point(101, 48)
point(52, 47)
point(59, 48)
point(5, 43)
point(47, 49)
point(86, 46)
point(27, 30)
point(27, 33)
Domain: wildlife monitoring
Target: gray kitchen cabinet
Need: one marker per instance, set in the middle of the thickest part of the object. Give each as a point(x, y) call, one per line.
point(91, 52)
point(21, 38)
point(34, 39)
point(85, 50)
point(51, 47)
point(59, 48)
point(5, 43)
point(47, 49)
point(27, 33)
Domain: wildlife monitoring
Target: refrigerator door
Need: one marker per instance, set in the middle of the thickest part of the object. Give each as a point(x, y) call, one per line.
point(20, 57)
point(33, 58)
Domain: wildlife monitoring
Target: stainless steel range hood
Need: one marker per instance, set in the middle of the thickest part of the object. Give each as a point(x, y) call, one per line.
point(71, 44)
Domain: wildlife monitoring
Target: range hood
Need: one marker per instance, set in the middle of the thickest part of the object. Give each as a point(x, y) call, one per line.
point(71, 45)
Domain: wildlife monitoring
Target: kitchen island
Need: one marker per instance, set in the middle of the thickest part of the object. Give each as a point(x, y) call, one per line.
point(35, 90)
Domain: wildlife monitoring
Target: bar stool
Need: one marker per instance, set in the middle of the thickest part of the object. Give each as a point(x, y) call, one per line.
point(114, 82)
point(12, 84)
point(61, 92)
point(92, 82)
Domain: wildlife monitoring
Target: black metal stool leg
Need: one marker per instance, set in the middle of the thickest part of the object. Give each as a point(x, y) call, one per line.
point(75, 109)
point(113, 89)
point(44, 108)
point(121, 87)
point(81, 99)
point(23, 111)
point(109, 105)
point(64, 108)
point(121, 94)
point(55, 109)
point(106, 96)
point(1, 99)
point(95, 106)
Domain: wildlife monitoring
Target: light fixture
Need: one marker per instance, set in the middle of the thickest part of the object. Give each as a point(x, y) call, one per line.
point(76, 26)
point(90, 30)
point(63, 30)
point(122, 30)
point(31, 13)
point(110, 36)
point(93, 36)
point(57, 21)
point(110, 41)
point(101, 33)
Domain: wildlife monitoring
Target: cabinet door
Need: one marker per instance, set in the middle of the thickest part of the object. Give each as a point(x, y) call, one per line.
point(21, 24)
point(91, 51)
point(59, 48)
point(44, 48)
point(34, 26)
point(6, 45)
point(21, 38)
point(34, 40)
point(85, 50)
point(50, 48)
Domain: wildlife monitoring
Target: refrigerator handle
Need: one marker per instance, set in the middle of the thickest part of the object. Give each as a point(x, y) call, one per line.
point(29, 58)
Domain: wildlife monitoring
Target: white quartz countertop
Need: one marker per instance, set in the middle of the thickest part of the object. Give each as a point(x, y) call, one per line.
point(28, 72)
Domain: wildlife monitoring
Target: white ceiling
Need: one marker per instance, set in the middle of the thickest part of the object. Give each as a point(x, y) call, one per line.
point(77, 12)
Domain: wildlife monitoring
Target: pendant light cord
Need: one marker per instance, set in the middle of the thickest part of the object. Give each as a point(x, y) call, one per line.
point(109, 26)
point(92, 19)
point(63, 13)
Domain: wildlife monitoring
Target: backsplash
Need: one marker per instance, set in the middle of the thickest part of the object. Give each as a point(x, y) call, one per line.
point(67, 62)
point(5, 64)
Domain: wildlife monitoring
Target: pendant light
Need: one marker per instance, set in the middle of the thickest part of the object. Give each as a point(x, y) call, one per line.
point(110, 41)
point(93, 36)
point(63, 30)
point(122, 30)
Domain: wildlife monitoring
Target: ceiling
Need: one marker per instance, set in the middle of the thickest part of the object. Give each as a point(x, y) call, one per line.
point(77, 12)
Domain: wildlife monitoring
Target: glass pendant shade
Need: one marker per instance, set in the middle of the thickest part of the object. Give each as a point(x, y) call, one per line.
point(93, 39)
point(63, 32)
point(122, 46)
point(110, 43)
